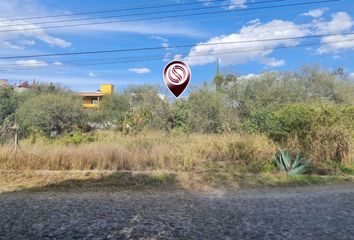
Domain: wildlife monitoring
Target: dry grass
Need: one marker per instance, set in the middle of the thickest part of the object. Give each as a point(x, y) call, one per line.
point(148, 160)
point(327, 147)
point(143, 152)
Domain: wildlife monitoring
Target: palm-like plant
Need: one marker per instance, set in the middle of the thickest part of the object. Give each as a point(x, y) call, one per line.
point(285, 163)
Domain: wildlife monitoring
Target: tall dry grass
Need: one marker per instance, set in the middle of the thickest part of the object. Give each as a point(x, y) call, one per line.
point(145, 151)
point(327, 147)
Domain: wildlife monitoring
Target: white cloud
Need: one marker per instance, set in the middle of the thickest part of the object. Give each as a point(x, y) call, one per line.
point(249, 76)
point(229, 4)
point(139, 70)
point(159, 38)
point(31, 63)
point(26, 42)
point(57, 63)
point(272, 62)
point(316, 12)
point(335, 44)
point(164, 41)
point(17, 28)
point(237, 4)
point(178, 57)
point(341, 22)
point(6, 44)
point(91, 74)
point(351, 75)
point(245, 50)
point(164, 28)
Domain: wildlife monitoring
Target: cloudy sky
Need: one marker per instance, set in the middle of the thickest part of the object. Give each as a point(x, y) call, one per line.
point(247, 36)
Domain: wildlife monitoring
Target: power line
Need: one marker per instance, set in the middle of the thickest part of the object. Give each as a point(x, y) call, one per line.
point(137, 14)
point(140, 59)
point(126, 9)
point(265, 13)
point(173, 47)
point(172, 16)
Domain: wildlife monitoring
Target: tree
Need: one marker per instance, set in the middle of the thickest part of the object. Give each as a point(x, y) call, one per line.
point(209, 111)
point(113, 109)
point(137, 108)
point(51, 114)
point(8, 104)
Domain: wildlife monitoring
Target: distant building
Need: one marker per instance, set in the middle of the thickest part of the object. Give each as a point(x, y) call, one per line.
point(22, 87)
point(91, 100)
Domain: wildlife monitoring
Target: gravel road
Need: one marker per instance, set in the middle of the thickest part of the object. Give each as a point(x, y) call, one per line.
point(325, 212)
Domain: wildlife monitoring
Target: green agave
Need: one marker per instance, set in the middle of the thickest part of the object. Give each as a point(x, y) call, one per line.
point(285, 164)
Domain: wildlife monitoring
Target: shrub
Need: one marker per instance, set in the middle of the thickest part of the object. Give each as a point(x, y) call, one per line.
point(52, 114)
point(250, 152)
point(77, 138)
point(323, 132)
point(8, 104)
point(208, 111)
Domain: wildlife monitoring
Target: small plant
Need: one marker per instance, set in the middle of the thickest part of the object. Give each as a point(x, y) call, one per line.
point(285, 164)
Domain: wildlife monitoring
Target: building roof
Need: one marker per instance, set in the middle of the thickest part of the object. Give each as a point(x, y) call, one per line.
point(24, 85)
point(91, 94)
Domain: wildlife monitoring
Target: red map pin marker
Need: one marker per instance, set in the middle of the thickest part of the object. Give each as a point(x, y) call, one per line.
point(177, 76)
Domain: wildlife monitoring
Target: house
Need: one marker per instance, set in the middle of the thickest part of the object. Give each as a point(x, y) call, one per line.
point(91, 100)
point(22, 87)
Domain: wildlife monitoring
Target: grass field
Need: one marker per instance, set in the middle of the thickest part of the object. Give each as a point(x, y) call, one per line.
point(109, 160)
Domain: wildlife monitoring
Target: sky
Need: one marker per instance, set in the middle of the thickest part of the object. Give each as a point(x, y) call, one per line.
point(237, 32)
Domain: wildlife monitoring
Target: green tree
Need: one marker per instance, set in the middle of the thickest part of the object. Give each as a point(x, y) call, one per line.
point(51, 114)
point(209, 111)
point(8, 104)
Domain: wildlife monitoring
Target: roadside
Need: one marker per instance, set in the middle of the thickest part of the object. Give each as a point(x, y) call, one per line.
point(93, 181)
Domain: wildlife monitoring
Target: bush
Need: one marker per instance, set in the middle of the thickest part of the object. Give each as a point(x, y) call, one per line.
point(77, 138)
point(52, 114)
point(207, 111)
point(249, 152)
point(322, 132)
point(8, 104)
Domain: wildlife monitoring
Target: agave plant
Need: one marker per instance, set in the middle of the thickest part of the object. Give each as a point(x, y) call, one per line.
point(285, 164)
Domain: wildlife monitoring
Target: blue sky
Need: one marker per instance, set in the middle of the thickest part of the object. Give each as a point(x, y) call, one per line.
point(236, 24)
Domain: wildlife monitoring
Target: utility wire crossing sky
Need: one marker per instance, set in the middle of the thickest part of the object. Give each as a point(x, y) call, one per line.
point(59, 41)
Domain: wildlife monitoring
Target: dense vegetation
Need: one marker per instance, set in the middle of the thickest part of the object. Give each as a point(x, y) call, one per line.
point(310, 111)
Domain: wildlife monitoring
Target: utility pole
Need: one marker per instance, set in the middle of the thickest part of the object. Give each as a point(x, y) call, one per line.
point(16, 142)
point(217, 67)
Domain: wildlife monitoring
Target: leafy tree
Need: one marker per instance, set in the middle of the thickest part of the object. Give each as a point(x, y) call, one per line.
point(324, 85)
point(51, 114)
point(273, 90)
point(138, 108)
point(209, 111)
point(8, 104)
point(113, 109)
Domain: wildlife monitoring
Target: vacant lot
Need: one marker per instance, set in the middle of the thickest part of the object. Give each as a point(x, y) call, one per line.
point(312, 212)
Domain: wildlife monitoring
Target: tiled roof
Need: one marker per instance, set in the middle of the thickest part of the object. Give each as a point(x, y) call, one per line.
point(24, 85)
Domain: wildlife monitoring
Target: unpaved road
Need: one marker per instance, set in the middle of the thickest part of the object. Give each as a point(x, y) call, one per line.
point(325, 212)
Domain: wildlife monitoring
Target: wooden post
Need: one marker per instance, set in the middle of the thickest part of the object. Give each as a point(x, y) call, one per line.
point(16, 144)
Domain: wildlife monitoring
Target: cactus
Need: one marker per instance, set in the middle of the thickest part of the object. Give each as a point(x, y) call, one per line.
point(285, 164)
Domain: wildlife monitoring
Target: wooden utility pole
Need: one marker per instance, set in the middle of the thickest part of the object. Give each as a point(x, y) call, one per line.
point(15, 131)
